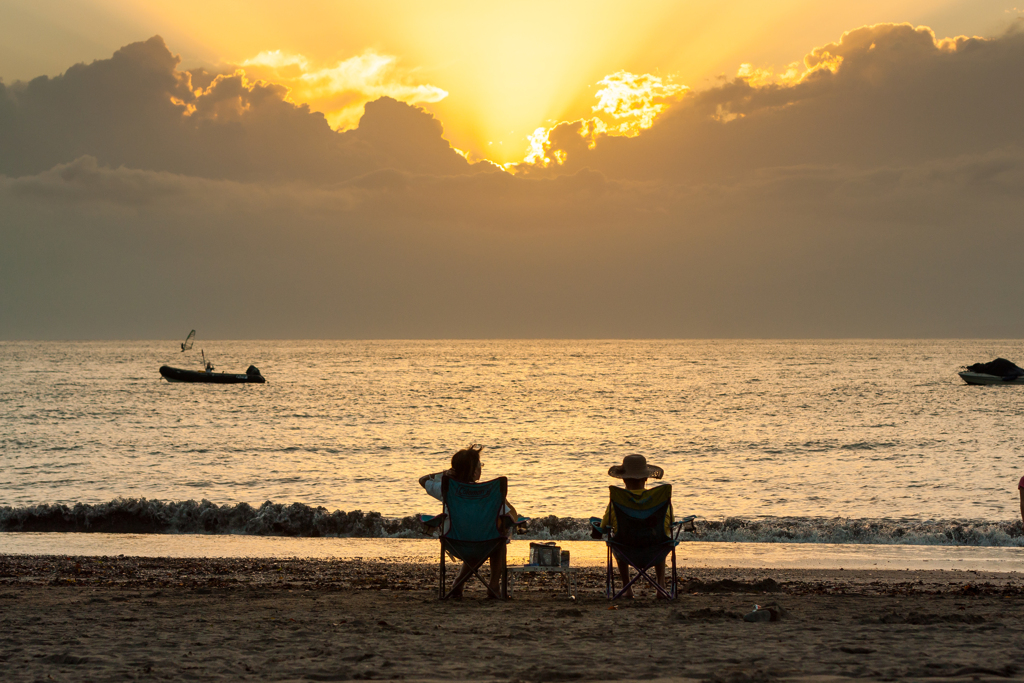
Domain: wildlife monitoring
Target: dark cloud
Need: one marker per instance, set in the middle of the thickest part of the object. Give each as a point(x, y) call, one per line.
point(138, 110)
point(898, 96)
point(880, 200)
point(925, 250)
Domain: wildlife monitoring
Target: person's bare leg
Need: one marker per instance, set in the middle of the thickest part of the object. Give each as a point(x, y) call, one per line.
point(462, 577)
point(497, 559)
point(659, 572)
point(624, 575)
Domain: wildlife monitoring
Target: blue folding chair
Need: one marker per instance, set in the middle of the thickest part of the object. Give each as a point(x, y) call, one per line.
point(471, 527)
point(637, 535)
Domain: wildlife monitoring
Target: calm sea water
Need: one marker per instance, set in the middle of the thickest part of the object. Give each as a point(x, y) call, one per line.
point(800, 430)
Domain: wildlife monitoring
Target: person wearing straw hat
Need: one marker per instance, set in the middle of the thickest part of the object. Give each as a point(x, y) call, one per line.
point(634, 473)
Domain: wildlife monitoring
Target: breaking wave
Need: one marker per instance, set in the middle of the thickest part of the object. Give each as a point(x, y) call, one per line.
point(863, 531)
point(142, 516)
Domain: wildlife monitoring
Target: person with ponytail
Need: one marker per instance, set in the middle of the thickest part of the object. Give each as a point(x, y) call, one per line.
point(467, 469)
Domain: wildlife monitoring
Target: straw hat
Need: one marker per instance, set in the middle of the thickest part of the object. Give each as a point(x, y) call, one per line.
point(635, 467)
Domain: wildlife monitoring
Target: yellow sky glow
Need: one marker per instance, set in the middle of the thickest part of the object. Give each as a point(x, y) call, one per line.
point(492, 73)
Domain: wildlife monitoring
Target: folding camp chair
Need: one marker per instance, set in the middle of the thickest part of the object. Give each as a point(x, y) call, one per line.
point(470, 528)
point(637, 535)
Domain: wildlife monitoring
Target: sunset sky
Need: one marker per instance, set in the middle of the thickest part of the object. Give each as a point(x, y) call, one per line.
point(458, 169)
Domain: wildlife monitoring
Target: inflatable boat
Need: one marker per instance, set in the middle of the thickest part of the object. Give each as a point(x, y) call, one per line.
point(252, 375)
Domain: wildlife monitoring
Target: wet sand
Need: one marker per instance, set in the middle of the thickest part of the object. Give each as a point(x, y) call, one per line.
point(119, 618)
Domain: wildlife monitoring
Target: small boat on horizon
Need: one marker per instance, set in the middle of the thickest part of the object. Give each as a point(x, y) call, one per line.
point(252, 375)
point(208, 376)
point(998, 371)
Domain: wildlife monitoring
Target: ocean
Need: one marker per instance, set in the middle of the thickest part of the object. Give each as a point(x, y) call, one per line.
point(820, 442)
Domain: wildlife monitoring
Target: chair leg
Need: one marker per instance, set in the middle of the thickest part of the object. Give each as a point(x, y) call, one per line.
point(470, 571)
point(502, 583)
point(629, 585)
point(643, 573)
point(464, 581)
point(474, 571)
point(674, 573)
point(609, 585)
point(440, 592)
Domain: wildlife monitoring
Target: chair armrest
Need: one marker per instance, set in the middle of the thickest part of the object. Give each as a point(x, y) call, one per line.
point(432, 521)
point(513, 524)
point(684, 524)
point(596, 528)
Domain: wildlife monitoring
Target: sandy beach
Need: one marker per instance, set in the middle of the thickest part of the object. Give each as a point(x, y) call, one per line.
point(118, 618)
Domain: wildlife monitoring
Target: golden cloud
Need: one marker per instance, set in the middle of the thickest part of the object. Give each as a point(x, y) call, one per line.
point(632, 101)
point(340, 92)
point(629, 104)
point(761, 76)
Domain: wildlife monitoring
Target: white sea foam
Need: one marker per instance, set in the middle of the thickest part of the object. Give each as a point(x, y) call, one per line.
point(141, 516)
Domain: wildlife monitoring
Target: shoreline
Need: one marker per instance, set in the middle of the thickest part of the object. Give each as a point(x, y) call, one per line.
point(584, 553)
point(130, 572)
point(107, 618)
